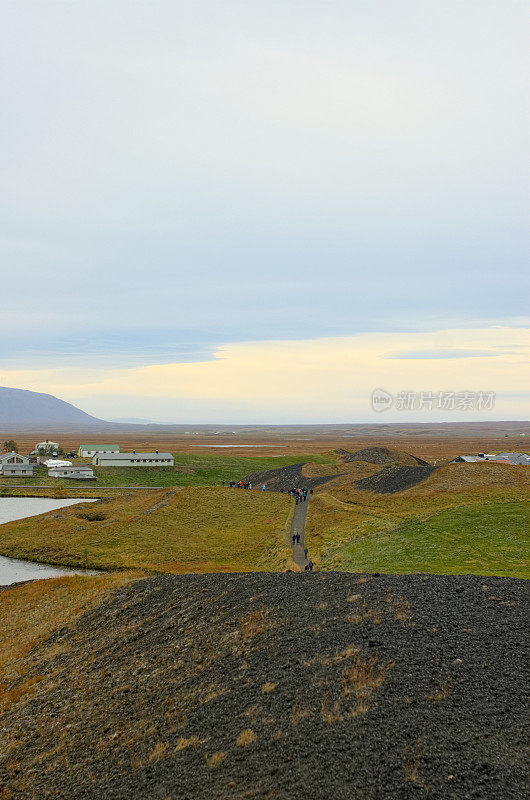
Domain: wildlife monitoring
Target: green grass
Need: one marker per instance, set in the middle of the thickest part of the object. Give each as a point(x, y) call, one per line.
point(197, 529)
point(202, 469)
point(483, 539)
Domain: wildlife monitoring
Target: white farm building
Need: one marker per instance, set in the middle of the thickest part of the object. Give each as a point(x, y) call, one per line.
point(80, 473)
point(14, 465)
point(46, 448)
point(91, 450)
point(133, 459)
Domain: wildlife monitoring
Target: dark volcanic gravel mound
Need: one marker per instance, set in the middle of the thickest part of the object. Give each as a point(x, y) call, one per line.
point(382, 455)
point(289, 686)
point(285, 478)
point(393, 479)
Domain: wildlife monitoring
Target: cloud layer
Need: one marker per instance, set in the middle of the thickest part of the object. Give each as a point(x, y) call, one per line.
point(181, 177)
point(324, 380)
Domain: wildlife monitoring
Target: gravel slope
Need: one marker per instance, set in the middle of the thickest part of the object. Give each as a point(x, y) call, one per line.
point(290, 477)
point(394, 479)
point(282, 686)
point(382, 455)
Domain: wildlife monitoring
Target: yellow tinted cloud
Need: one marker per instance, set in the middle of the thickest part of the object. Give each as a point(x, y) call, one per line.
point(332, 375)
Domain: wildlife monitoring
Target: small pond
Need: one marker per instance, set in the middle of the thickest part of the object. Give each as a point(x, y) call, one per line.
point(13, 570)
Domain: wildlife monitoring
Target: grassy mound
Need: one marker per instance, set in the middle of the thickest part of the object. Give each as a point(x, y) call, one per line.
point(328, 686)
point(342, 515)
point(198, 529)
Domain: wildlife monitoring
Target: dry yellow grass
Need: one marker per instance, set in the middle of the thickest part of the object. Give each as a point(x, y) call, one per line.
point(246, 737)
point(254, 623)
point(31, 612)
point(361, 678)
point(216, 759)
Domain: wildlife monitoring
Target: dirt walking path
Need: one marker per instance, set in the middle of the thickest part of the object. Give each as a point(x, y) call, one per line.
point(298, 526)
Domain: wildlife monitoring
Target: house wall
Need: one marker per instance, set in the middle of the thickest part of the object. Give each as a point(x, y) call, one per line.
point(88, 453)
point(20, 470)
point(59, 472)
point(134, 461)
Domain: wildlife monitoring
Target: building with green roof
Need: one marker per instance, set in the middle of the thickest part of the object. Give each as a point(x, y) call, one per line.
point(89, 450)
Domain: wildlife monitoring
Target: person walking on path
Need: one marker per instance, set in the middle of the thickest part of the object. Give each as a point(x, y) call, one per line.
point(310, 565)
point(297, 538)
point(306, 551)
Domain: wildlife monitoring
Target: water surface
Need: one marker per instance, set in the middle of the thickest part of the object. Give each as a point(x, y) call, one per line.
point(13, 570)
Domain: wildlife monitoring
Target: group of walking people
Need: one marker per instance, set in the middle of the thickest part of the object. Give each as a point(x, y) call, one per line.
point(295, 539)
point(300, 495)
point(241, 485)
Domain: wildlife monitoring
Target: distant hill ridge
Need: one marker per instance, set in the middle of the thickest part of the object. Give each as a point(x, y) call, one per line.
point(21, 409)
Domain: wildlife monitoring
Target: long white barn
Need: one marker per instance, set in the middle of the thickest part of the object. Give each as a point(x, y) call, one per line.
point(90, 450)
point(133, 459)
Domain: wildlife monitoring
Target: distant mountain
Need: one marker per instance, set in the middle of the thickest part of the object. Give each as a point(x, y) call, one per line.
point(134, 421)
point(21, 410)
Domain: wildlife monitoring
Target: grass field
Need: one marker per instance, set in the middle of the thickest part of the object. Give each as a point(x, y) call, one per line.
point(203, 469)
point(485, 539)
point(463, 518)
point(197, 529)
point(30, 613)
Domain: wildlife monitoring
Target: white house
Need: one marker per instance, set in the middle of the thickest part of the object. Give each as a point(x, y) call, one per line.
point(46, 447)
point(13, 458)
point(90, 450)
point(515, 459)
point(13, 464)
point(78, 473)
point(134, 459)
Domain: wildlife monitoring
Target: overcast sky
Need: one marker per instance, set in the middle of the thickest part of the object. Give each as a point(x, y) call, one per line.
point(182, 179)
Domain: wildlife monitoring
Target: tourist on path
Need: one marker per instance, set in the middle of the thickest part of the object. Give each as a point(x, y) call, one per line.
point(305, 551)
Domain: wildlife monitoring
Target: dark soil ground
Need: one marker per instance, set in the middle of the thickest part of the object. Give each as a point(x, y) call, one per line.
point(382, 455)
point(394, 479)
point(285, 478)
point(282, 686)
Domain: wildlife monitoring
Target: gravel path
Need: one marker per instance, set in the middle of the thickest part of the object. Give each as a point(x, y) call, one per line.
point(325, 686)
point(298, 526)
